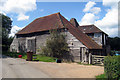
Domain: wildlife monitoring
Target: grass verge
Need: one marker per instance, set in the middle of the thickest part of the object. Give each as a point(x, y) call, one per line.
point(101, 77)
point(43, 58)
point(35, 56)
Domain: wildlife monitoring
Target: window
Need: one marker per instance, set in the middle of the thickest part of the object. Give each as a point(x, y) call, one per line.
point(91, 35)
point(97, 35)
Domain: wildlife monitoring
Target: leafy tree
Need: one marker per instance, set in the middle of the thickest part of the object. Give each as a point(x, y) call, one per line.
point(6, 27)
point(114, 43)
point(56, 45)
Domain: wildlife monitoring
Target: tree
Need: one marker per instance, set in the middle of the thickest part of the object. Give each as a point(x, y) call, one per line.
point(56, 45)
point(114, 43)
point(6, 28)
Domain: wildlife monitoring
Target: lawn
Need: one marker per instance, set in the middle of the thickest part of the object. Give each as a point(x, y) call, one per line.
point(44, 58)
point(101, 77)
point(35, 56)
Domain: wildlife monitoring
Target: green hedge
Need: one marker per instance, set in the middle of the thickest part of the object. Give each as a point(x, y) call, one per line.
point(13, 54)
point(112, 67)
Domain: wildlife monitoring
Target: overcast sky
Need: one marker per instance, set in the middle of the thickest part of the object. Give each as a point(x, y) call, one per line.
point(103, 14)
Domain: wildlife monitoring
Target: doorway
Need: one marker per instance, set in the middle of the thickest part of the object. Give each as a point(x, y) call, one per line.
point(31, 45)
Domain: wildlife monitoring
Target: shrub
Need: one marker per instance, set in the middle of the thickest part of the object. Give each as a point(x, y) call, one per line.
point(44, 51)
point(112, 53)
point(112, 67)
point(56, 45)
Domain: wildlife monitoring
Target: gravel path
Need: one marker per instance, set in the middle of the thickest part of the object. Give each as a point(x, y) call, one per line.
point(20, 68)
point(68, 70)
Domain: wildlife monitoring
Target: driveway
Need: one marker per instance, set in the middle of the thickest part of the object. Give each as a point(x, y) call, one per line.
point(68, 70)
point(19, 68)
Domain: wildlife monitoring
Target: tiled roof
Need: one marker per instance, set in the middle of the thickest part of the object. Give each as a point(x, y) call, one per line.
point(86, 40)
point(74, 22)
point(55, 21)
point(42, 24)
point(89, 29)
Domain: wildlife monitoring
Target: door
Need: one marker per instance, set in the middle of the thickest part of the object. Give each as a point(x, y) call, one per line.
point(31, 45)
point(83, 54)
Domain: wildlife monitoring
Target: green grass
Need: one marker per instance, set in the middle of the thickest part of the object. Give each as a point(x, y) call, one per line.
point(44, 58)
point(13, 54)
point(101, 77)
point(24, 56)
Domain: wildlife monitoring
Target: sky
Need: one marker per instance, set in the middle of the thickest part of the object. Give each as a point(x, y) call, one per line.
point(103, 14)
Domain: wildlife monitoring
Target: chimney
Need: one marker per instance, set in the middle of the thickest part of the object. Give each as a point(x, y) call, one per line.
point(74, 22)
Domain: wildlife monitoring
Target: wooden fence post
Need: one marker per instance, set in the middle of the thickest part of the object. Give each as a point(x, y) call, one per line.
point(90, 58)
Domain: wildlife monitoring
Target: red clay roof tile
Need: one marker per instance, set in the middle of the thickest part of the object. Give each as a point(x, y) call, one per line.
point(89, 29)
point(55, 21)
point(86, 40)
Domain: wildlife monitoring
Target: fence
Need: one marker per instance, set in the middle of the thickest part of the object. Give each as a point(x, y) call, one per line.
point(97, 59)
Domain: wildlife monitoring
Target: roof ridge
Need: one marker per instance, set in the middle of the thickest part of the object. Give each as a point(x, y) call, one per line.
point(59, 16)
point(48, 15)
point(43, 24)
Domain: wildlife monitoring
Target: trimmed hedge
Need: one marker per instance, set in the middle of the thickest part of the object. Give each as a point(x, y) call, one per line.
point(112, 67)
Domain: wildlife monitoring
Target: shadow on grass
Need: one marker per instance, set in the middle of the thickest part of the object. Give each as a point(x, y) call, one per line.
point(35, 60)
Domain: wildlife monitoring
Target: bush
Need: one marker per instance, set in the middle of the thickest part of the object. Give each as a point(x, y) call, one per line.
point(112, 67)
point(112, 53)
point(56, 45)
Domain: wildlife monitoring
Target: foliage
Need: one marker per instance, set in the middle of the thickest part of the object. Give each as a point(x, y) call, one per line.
point(112, 67)
point(112, 53)
point(101, 77)
point(24, 56)
point(114, 43)
point(13, 54)
point(6, 27)
point(56, 45)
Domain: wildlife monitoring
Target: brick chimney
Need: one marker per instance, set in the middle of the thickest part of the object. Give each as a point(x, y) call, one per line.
point(74, 22)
